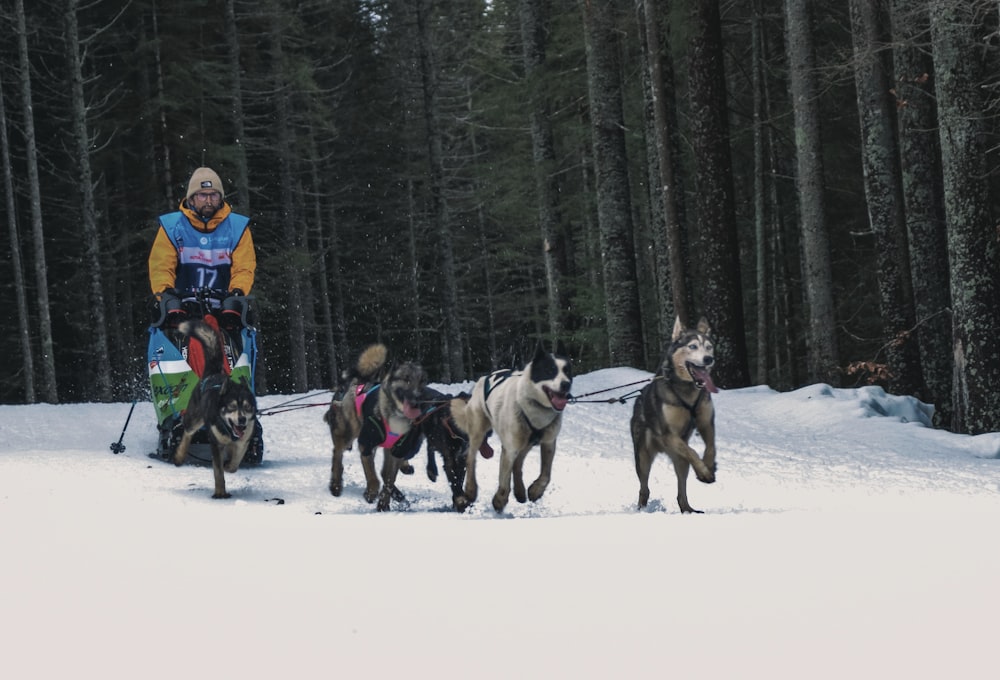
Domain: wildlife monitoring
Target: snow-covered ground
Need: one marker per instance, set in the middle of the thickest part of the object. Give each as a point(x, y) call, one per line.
point(843, 538)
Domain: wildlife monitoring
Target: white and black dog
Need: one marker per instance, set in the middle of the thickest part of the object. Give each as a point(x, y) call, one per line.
point(525, 408)
point(675, 403)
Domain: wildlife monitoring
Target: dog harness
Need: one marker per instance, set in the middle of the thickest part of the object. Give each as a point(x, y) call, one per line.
point(495, 379)
point(692, 408)
point(213, 383)
point(374, 431)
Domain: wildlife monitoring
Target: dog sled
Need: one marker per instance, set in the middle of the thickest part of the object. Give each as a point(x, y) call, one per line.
point(174, 372)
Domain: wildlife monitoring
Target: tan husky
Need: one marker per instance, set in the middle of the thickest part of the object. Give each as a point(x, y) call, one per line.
point(672, 406)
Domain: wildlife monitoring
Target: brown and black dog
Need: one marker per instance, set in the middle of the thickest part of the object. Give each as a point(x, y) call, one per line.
point(377, 408)
point(443, 438)
point(675, 403)
point(226, 408)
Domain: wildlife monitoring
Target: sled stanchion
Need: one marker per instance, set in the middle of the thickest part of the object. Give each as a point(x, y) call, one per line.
point(118, 447)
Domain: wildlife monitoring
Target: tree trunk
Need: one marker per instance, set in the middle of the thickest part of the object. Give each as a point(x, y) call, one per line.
point(719, 277)
point(972, 242)
point(533, 23)
point(242, 171)
point(47, 387)
point(290, 224)
point(17, 265)
point(761, 223)
point(621, 292)
point(165, 145)
point(98, 325)
point(817, 271)
point(920, 161)
point(452, 338)
point(672, 276)
point(884, 194)
point(324, 303)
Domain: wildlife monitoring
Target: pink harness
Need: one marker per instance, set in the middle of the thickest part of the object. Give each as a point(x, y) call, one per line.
point(359, 399)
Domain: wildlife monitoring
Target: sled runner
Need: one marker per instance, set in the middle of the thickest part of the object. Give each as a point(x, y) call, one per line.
point(174, 371)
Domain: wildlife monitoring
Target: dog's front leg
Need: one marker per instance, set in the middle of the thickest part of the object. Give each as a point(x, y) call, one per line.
point(681, 448)
point(507, 459)
point(706, 430)
point(337, 471)
point(644, 455)
point(181, 452)
point(451, 461)
point(536, 490)
point(371, 479)
point(520, 495)
point(390, 468)
point(681, 468)
point(471, 486)
point(432, 468)
point(220, 475)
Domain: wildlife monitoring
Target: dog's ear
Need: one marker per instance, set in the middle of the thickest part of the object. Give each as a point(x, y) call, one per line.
point(703, 326)
point(560, 348)
point(539, 350)
point(387, 370)
point(678, 329)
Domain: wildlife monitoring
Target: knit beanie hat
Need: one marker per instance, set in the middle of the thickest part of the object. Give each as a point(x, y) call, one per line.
point(205, 179)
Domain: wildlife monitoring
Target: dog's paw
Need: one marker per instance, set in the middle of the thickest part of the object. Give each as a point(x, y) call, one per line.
point(536, 490)
point(460, 502)
point(336, 488)
point(384, 501)
point(406, 468)
point(222, 494)
point(371, 495)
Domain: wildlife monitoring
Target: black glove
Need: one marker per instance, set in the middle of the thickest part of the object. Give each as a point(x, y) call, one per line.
point(170, 299)
point(170, 303)
point(231, 318)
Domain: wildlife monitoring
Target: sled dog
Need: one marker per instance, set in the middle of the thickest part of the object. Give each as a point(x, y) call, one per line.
point(436, 427)
point(676, 402)
point(228, 409)
point(525, 408)
point(376, 409)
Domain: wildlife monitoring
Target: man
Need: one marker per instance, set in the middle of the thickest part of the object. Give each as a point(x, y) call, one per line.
point(203, 245)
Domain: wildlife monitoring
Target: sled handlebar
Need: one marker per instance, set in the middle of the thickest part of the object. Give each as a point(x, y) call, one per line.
point(204, 298)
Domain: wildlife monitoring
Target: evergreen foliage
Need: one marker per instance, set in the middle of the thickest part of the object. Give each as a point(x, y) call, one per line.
point(404, 188)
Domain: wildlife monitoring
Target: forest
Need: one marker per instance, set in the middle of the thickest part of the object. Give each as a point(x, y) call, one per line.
point(463, 179)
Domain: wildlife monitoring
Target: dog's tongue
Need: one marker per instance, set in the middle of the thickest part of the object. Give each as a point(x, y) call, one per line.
point(558, 400)
point(410, 411)
point(702, 375)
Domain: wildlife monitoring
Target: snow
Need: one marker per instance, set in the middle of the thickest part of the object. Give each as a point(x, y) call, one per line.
point(843, 538)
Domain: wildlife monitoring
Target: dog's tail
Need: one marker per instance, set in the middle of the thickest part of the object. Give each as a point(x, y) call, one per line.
point(211, 343)
point(458, 406)
point(370, 362)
